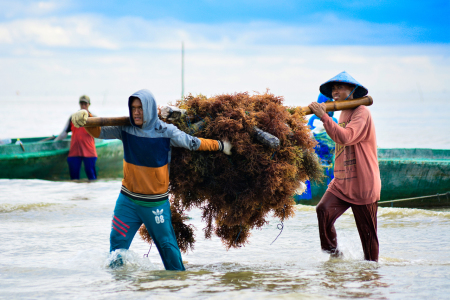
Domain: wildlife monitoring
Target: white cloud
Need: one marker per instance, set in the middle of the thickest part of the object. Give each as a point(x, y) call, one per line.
point(30, 8)
point(95, 31)
point(5, 36)
point(73, 32)
point(47, 6)
point(95, 54)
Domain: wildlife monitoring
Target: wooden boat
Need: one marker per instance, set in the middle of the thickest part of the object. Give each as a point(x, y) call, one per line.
point(38, 159)
point(415, 178)
point(409, 177)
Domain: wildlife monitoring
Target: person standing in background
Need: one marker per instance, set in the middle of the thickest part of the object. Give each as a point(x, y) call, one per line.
point(82, 146)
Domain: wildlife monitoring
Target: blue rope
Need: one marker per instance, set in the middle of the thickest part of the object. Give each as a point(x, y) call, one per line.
point(188, 121)
point(240, 230)
point(273, 154)
point(200, 117)
point(280, 226)
point(146, 255)
point(352, 92)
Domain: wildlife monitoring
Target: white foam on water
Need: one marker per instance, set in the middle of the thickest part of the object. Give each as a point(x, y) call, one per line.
point(100, 260)
point(131, 261)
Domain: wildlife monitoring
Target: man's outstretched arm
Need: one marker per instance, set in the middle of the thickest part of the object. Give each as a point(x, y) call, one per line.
point(79, 119)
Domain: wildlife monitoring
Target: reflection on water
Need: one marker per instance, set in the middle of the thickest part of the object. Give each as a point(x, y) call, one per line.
point(353, 279)
point(347, 279)
point(57, 237)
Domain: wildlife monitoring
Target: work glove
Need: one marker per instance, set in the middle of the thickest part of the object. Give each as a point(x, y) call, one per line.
point(79, 118)
point(226, 147)
point(171, 112)
point(301, 188)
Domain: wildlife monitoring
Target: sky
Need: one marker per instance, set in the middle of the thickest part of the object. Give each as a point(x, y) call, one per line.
point(110, 49)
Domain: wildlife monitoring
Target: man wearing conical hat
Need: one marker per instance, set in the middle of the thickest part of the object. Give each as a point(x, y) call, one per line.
point(356, 182)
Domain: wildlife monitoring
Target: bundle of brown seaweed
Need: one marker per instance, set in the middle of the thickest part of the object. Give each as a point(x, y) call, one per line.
point(237, 193)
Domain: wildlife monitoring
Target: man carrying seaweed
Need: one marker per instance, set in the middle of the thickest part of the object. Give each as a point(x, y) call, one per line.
point(356, 182)
point(144, 196)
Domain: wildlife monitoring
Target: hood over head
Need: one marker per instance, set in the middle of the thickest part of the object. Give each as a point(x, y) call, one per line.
point(149, 107)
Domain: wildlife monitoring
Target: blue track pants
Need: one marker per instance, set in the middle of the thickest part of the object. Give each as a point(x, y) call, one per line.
point(75, 167)
point(127, 219)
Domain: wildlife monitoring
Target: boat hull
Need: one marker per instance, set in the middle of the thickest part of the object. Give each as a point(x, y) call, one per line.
point(405, 174)
point(48, 160)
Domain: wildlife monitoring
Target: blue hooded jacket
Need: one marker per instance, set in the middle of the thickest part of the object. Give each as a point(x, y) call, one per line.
point(147, 150)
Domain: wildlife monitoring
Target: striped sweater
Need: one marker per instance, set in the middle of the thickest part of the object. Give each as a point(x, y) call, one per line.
point(147, 150)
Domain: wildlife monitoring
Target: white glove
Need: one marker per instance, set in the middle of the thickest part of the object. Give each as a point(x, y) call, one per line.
point(227, 147)
point(79, 118)
point(171, 112)
point(165, 111)
point(301, 188)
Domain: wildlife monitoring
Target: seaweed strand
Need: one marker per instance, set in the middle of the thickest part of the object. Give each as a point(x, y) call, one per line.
point(264, 179)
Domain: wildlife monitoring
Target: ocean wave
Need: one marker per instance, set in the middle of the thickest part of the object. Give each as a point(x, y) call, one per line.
point(392, 212)
point(391, 261)
point(8, 208)
point(305, 208)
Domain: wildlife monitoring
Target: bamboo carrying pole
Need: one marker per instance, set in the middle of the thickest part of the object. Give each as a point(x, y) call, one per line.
point(342, 105)
point(113, 121)
point(330, 106)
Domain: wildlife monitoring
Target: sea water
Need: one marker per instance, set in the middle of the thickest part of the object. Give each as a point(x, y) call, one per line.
point(55, 235)
point(55, 245)
point(399, 122)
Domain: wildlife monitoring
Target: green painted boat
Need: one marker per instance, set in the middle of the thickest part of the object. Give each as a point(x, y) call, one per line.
point(409, 177)
point(39, 159)
point(414, 178)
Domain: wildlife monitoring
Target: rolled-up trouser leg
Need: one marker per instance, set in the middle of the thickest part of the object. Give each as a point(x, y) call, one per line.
point(328, 210)
point(158, 221)
point(366, 221)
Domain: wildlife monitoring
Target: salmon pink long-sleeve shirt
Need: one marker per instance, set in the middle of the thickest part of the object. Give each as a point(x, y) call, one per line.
point(356, 173)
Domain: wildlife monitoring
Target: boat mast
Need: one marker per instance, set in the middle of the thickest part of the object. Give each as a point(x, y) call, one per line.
point(182, 70)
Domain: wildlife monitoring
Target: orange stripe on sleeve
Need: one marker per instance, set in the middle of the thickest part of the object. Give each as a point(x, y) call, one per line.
point(208, 145)
point(93, 131)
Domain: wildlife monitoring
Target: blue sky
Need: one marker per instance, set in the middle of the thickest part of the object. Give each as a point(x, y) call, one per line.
point(69, 47)
point(419, 21)
point(408, 21)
